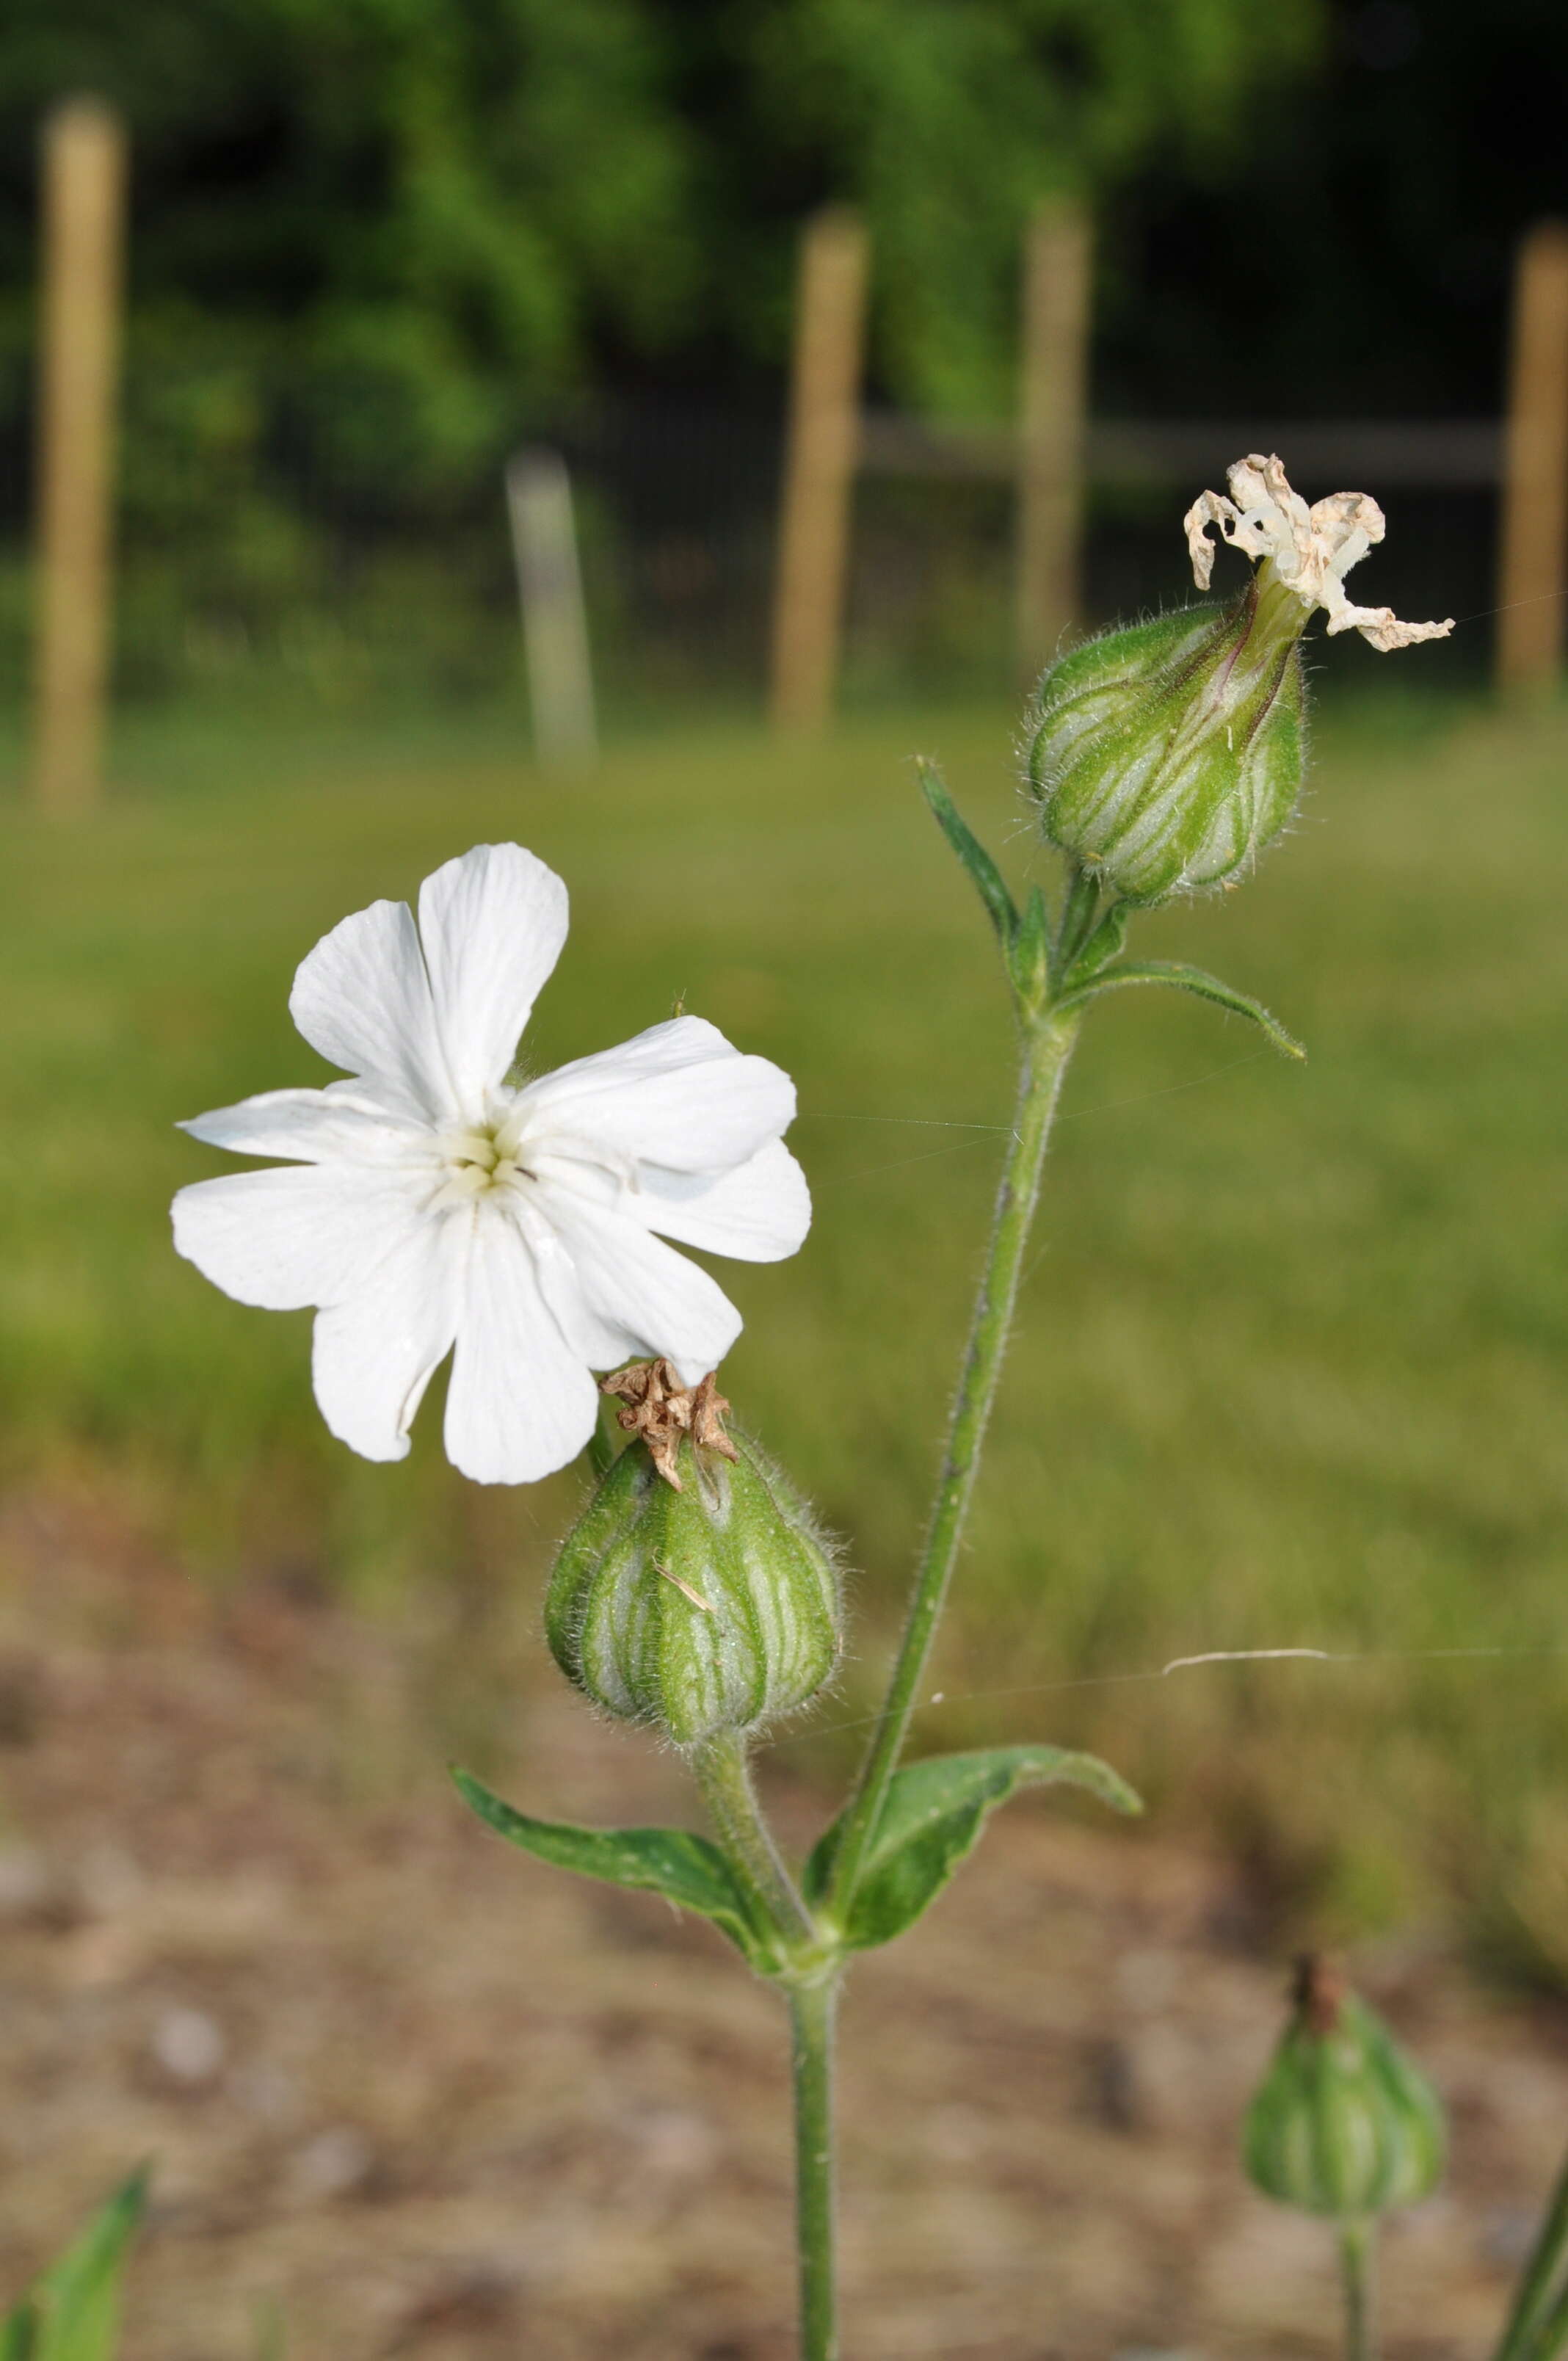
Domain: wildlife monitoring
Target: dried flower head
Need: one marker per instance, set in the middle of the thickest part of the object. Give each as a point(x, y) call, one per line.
point(1311, 549)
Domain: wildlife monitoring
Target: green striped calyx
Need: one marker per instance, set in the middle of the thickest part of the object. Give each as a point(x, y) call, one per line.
point(1344, 2122)
point(1166, 757)
point(698, 1605)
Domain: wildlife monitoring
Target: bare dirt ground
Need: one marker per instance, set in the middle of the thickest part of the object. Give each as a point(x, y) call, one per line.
point(433, 2100)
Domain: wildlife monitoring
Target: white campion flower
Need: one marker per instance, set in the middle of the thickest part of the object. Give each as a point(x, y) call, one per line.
point(435, 1207)
point(1311, 549)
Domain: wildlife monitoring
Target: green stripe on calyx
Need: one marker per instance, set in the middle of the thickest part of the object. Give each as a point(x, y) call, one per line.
point(1165, 758)
point(1343, 2123)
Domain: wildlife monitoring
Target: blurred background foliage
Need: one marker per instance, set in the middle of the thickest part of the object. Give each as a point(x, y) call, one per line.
point(461, 209)
point(376, 244)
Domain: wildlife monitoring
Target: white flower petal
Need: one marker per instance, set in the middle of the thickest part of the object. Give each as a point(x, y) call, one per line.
point(521, 1401)
point(374, 1353)
point(679, 1094)
point(362, 998)
point(599, 1343)
point(758, 1212)
point(492, 924)
point(643, 1286)
point(317, 1126)
point(295, 1234)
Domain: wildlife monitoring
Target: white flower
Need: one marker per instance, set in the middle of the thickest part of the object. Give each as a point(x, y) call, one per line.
point(1311, 549)
point(434, 1205)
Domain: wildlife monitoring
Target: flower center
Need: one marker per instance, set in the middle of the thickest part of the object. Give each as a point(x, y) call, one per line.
point(479, 1159)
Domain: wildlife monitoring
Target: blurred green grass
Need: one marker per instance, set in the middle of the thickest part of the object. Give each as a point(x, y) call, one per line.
point(1290, 1367)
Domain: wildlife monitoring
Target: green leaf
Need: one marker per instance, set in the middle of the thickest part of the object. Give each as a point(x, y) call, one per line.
point(685, 1869)
point(1190, 979)
point(1103, 945)
point(73, 2313)
point(1029, 952)
point(989, 882)
point(1547, 2339)
point(18, 2333)
point(933, 1816)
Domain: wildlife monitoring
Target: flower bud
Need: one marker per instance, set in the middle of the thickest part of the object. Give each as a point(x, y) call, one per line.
point(694, 1593)
point(1343, 2123)
point(1166, 757)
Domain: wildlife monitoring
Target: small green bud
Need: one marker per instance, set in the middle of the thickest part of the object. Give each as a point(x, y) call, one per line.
point(1166, 757)
point(1344, 2122)
point(694, 1593)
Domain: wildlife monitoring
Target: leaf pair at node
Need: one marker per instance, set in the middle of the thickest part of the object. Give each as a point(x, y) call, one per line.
point(1059, 972)
point(933, 1817)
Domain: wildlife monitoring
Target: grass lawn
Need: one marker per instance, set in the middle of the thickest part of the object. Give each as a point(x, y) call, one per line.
point(1290, 1371)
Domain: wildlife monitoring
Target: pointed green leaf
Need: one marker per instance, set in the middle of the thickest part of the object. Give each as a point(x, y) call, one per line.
point(685, 1869)
point(989, 882)
point(1103, 945)
point(1029, 952)
point(1190, 979)
point(1535, 2331)
point(73, 2313)
point(1548, 2338)
point(933, 1816)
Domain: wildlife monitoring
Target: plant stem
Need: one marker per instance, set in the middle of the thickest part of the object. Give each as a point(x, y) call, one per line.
point(722, 1771)
point(724, 1774)
point(1528, 2320)
point(1355, 2262)
point(1046, 1044)
point(812, 2009)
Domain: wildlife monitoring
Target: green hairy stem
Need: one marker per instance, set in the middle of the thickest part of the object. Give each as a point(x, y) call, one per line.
point(723, 1774)
point(1046, 1047)
point(812, 2010)
point(1356, 2252)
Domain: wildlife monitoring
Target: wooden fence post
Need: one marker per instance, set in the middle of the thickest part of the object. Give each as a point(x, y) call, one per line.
point(819, 469)
point(84, 216)
point(555, 620)
point(1051, 428)
point(1533, 570)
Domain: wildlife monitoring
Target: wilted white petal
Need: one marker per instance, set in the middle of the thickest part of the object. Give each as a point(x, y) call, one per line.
point(643, 1286)
point(374, 1353)
point(679, 1094)
point(1209, 508)
point(295, 1234)
point(1309, 550)
point(521, 1401)
point(317, 1126)
point(362, 998)
point(1344, 527)
point(1378, 625)
point(492, 924)
point(758, 1212)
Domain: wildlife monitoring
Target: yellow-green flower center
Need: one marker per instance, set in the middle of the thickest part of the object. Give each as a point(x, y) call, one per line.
point(479, 1158)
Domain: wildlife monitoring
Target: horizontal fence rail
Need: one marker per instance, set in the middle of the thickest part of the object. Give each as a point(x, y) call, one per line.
point(1457, 455)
